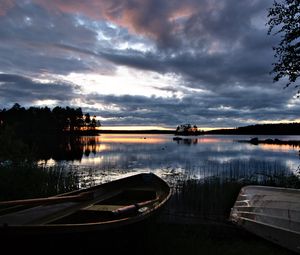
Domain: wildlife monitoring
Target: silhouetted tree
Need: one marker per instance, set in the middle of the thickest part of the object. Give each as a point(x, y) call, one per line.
point(79, 118)
point(187, 129)
point(26, 133)
point(35, 120)
point(93, 123)
point(285, 16)
point(87, 119)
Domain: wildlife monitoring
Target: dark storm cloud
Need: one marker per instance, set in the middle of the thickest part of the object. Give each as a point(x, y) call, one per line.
point(28, 36)
point(221, 47)
point(215, 42)
point(136, 110)
point(143, 61)
point(216, 45)
point(23, 90)
point(148, 17)
point(132, 58)
point(200, 109)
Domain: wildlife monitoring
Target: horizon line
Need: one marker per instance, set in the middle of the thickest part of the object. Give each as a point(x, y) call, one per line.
point(145, 128)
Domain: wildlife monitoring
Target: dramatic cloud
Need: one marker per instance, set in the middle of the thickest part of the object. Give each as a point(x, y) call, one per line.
point(18, 89)
point(144, 61)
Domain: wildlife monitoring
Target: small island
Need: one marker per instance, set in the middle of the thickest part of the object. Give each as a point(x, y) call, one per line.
point(188, 130)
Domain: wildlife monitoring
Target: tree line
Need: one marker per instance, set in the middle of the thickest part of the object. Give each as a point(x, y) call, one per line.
point(261, 129)
point(27, 133)
point(43, 120)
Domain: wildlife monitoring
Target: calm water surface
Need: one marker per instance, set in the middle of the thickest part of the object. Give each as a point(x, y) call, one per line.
point(109, 156)
point(205, 173)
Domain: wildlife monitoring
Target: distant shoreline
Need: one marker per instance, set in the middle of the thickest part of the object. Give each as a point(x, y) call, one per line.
point(107, 131)
point(204, 133)
point(136, 131)
point(259, 129)
point(214, 132)
point(256, 141)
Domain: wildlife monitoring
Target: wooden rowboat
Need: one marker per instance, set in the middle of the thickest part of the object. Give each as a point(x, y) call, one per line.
point(270, 212)
point(110, 205)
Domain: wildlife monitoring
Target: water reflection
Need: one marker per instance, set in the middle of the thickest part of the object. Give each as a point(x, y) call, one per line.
point(133, 139)
point(205, 172)
point(277, 147)
point(113, 153)
point(186, 141)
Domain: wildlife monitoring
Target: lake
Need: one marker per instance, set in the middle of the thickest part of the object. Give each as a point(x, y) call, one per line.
point(205, 173)
point(98, 159)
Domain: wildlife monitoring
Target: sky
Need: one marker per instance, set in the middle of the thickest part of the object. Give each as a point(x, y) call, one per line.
point(145, 62)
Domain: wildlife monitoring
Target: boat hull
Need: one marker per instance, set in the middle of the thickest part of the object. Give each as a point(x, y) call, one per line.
point(271, 213)
point(111, 205)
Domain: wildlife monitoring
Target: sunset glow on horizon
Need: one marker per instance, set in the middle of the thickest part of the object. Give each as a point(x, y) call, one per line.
point(135, 128)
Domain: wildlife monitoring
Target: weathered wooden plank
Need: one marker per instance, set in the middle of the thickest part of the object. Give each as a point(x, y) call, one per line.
point(44, 200)
point(109, 208)
point(27, 216)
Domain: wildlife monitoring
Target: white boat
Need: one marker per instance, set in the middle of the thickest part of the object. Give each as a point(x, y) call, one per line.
point(270, 212)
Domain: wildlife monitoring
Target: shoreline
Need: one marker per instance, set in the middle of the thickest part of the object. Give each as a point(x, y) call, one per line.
point(136, 131)
point(256, 141)
point(212, 133)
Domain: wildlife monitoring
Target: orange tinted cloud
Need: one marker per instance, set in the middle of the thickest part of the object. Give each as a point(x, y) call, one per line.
point(88, 8)
point(152, 18)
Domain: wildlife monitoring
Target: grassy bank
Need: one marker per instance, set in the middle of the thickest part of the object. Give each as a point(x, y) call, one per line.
point(19, 180)
point(194, 221)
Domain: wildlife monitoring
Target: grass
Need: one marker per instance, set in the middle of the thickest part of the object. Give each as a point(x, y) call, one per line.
point(212, 197)
point(20, 180)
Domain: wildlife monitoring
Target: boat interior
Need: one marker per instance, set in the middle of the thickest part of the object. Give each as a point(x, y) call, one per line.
point(125, 203)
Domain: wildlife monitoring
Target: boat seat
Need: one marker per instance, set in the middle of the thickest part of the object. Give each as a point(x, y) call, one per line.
point(34, 214)
point(107, 208)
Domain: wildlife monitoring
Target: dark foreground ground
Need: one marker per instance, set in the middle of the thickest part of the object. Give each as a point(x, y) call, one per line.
point(151, 237)
point(194, 221)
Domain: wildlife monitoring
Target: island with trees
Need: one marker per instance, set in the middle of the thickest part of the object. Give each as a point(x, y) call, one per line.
point(187, 130)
